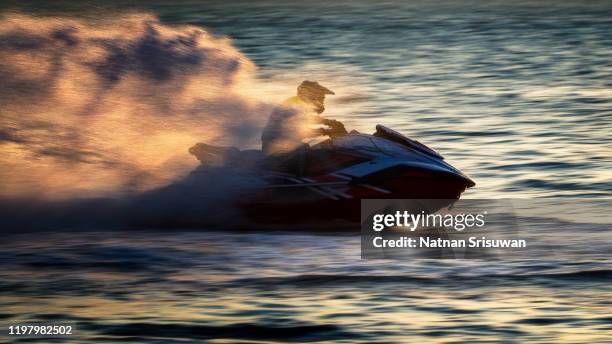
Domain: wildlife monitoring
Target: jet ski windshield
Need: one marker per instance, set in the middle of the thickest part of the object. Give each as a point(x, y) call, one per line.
point(373, 144)
point(384, 153)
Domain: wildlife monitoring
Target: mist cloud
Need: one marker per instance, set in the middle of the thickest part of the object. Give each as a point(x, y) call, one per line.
point(111, 106)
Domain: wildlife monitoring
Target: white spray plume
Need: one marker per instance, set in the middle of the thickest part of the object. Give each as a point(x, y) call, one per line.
point(112, 106)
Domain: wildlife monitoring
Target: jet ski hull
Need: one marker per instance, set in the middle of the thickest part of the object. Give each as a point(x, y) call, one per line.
point(325, 183)
point(291, 207)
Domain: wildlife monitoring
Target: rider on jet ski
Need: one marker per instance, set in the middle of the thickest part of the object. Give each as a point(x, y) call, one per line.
point(290, 122)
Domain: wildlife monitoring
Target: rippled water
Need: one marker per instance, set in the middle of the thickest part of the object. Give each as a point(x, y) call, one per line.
point(518, 96)
point(164, 287)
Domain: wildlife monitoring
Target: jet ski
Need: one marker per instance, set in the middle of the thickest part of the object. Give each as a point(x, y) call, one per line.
point(327, 181)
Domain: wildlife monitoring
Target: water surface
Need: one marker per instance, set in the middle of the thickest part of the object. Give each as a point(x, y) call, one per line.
point(517, 95)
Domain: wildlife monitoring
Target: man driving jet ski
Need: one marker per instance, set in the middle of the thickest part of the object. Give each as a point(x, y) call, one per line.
point(291, 122)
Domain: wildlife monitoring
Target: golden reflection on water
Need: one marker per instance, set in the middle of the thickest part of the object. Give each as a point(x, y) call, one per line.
point(407, 315)
point(209, 284)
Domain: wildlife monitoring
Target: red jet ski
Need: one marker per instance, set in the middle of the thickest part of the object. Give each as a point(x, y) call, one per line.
point(326, 182)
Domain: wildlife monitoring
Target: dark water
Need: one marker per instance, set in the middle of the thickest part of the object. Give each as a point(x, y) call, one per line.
point(191, 286)
point(518, 96)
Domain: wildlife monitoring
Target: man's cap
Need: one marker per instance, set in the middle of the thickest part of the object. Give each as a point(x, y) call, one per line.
point(314, 87)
